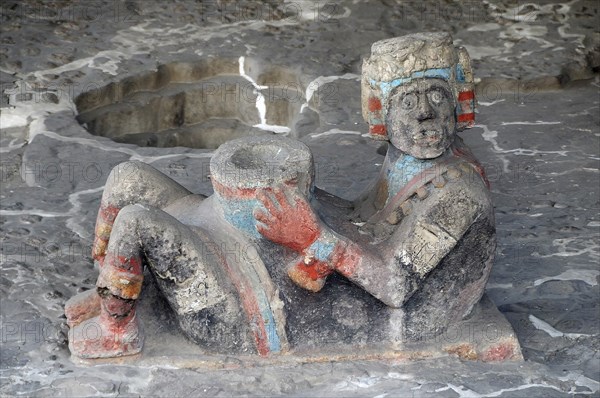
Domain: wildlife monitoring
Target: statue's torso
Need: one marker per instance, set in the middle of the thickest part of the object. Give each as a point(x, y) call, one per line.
point(342, 313)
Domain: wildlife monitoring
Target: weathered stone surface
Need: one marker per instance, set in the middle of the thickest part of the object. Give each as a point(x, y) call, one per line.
point(414, 277)
point(83, 306)
point(485, 336)
point(540, 161)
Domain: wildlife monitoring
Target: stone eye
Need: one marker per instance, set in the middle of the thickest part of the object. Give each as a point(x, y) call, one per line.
point(409, 101)
point(436, 97)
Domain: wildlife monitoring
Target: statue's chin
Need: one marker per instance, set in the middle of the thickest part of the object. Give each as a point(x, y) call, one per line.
point(427, 152)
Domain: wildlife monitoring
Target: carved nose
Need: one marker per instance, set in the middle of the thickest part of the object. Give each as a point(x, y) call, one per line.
point(424, 110)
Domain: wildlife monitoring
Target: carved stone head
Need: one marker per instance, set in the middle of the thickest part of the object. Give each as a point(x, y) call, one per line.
point(417, 91)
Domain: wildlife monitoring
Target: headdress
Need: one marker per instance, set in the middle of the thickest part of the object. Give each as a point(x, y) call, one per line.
point(397, 61)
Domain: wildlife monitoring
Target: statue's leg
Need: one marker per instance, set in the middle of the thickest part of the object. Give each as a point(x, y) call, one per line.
point(128, 183)
point(111, 329)
point(131, 183)
point(175, 254)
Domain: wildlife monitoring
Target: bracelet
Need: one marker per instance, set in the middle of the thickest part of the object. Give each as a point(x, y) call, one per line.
point(322, 248)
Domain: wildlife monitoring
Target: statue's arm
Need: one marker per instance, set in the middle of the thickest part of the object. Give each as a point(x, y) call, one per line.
point(393, 270)
point(287, 219)
point(373, 268)
point(424, 238)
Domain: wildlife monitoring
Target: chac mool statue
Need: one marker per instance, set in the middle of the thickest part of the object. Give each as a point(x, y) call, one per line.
point(271, 264)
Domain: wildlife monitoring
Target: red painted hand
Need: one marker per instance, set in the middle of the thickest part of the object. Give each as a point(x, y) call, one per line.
point(291, 225)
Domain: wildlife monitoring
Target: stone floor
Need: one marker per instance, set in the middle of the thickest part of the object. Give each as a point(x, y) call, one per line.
point(537, 134)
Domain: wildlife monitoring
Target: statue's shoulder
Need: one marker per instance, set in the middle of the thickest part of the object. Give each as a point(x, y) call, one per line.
point(467, 165)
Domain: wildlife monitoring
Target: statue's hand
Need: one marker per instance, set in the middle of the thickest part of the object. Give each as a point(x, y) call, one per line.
point(293, 225)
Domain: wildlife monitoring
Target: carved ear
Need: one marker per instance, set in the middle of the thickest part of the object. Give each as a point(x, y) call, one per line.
point(372, 108)
point(465, 107)
point(365, 91)
point(377, 128)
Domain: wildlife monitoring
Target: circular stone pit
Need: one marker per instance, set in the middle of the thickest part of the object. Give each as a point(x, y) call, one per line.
point(198, 104)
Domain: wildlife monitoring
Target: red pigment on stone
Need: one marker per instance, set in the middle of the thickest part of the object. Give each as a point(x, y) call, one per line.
point(374, 104)
point(130, 264)
point(378, 129)
point(466, 95)
point(466, 117)
point(315, 270)
point(249, 303)
point(233, 193)
point(295, 228)
point(108, 213)
point(346, 258)
point(116, 306)
point(500, 352)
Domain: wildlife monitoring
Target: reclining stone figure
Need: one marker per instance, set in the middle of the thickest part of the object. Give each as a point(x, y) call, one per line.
point(270, 263)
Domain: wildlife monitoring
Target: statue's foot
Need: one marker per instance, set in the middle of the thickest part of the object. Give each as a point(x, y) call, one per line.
point(83, 306)
point(98, 338)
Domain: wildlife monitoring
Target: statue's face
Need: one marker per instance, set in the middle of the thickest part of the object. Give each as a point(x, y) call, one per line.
point(420, 118)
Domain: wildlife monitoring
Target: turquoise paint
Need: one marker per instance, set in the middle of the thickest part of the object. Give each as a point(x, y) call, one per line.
point(268, 319)
point(440, 73)
point(387, 87)
point(404, 170)
point(460, 74)
point(238, 212)
point(322, 250)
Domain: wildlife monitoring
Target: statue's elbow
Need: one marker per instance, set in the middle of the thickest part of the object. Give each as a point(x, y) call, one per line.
point(395, 304)
point(393, 300)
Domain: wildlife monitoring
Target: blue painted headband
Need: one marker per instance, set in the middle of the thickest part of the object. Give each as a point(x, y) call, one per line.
point(442, 73)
